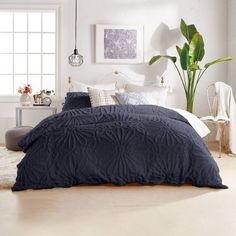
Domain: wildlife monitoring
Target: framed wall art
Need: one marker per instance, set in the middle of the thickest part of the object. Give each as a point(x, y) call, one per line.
point(119, 44)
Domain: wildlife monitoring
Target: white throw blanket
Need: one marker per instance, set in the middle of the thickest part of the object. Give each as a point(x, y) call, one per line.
point(226, 108)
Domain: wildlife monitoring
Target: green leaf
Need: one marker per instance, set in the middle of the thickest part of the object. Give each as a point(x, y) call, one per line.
point(191, 31)
point(178, 49)
point(194, 67)
point(218, 61)
point(173, 59)
point(158, 57)
point(184, 57)
point(196, 51)
point(154, 59)
point(187, 30)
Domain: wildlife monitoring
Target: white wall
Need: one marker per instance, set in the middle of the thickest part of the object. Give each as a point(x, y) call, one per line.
point(232, 43)
point(161, 20)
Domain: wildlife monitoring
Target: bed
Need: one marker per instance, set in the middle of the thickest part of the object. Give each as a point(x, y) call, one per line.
point(116, 144)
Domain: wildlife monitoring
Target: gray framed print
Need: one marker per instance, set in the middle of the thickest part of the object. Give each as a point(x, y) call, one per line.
point(119, 44)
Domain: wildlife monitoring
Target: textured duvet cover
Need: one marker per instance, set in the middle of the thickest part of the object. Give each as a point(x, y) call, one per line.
point(118, 145)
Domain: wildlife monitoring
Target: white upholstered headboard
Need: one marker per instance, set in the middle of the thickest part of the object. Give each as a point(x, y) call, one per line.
point(116, 77)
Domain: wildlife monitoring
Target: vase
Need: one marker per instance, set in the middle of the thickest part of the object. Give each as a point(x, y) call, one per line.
point(25, 100)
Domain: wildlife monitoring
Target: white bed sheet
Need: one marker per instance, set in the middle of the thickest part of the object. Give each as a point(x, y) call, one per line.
point(194, 121)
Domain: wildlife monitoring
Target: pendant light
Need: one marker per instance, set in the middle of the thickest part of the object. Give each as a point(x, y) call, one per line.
point(76, 59)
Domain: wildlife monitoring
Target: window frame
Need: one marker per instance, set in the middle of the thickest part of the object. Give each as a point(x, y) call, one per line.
point(31, 8)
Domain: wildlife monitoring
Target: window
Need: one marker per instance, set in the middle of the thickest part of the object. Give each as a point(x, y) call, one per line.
point(28, 50)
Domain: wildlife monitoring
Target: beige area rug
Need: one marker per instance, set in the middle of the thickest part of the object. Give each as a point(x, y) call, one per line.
point(8, 169)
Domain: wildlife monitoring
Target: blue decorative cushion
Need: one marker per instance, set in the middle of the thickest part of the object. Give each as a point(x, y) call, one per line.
point(76, 100)
point(131, 98)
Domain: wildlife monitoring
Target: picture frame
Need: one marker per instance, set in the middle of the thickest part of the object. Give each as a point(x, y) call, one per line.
point(119, 44)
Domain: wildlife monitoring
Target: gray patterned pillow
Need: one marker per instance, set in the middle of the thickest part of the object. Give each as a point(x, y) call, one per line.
point(131, 98)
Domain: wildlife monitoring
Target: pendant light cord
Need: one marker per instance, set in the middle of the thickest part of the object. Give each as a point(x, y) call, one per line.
point(75, 24)
point(76, 59)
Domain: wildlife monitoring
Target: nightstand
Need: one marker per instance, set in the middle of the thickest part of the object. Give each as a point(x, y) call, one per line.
point(19, 111)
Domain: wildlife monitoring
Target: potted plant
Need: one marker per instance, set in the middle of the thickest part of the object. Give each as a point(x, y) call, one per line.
point(190, 54)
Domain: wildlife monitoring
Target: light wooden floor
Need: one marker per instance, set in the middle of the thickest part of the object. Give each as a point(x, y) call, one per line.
point(123, 211)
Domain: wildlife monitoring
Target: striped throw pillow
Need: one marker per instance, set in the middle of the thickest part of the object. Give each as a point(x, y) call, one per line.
point(101, 97)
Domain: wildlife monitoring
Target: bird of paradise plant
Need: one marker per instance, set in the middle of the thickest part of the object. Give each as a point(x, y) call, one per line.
point(190, 55)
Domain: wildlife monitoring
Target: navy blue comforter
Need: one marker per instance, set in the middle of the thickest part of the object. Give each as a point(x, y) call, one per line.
point(118, 145)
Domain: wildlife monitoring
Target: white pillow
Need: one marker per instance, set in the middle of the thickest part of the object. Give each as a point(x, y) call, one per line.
point(82, 87)
point(101, 97)
point(131, 98)
point(155, 95)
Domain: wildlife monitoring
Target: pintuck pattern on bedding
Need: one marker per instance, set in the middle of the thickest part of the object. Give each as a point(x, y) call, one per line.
point(115, 144)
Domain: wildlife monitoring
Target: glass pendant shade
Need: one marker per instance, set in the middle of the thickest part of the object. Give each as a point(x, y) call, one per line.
point(76, 59)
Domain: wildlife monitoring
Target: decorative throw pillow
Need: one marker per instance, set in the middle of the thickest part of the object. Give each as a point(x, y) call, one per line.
point(101, 97)
point(154, 95)
point(82, 87)
point(76, 100)
point(131, 98)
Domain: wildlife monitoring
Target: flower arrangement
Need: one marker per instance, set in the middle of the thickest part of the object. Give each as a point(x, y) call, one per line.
point(25, 89)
